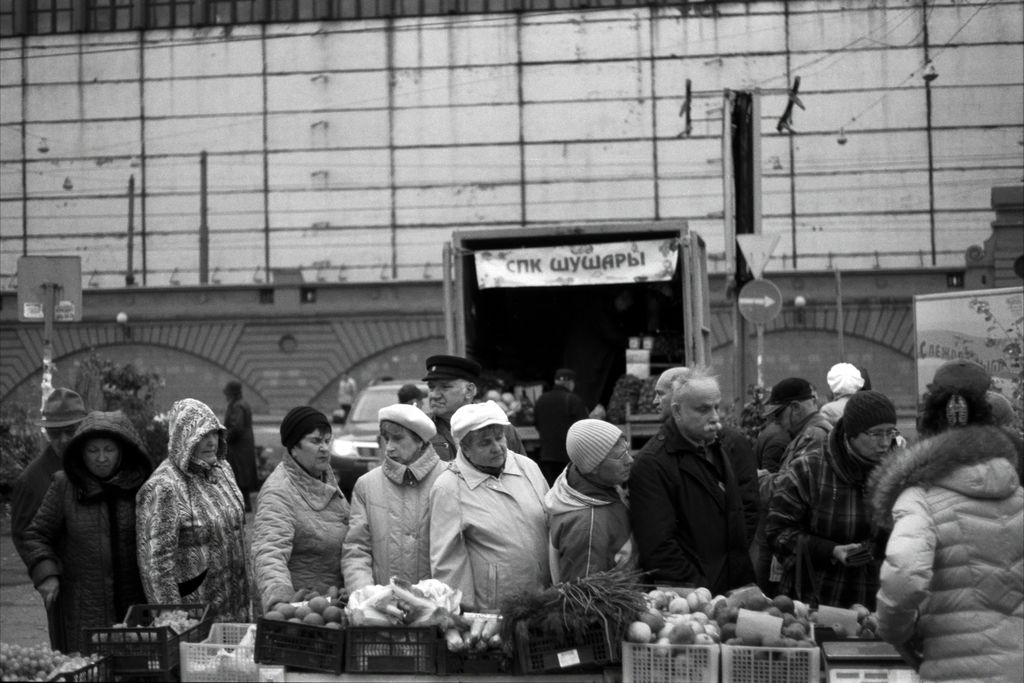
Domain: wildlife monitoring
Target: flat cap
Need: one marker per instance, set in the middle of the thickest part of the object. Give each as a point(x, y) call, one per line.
point(785, 392)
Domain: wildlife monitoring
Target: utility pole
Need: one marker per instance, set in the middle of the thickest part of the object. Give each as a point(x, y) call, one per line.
point(204, 226)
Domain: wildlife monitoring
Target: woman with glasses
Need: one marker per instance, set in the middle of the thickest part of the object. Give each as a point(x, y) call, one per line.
point(819, 518)
point(301, 514)
point(191, 518)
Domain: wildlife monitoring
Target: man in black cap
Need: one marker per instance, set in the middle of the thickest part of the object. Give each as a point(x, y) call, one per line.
point(452, 382)
point(793, 406)
point(553, 413)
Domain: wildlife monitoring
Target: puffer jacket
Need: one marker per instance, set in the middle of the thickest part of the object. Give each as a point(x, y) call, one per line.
point(388, 534)
point(952, 584)
point(589, 528)
point(489, 535)
point(300, 526)
point(84, 532)
point(191, 522)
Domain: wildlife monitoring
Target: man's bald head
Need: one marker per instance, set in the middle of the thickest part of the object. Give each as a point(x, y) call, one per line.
point(663, 389)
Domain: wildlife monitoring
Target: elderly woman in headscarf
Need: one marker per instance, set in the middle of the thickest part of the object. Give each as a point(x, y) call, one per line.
point(301, 515)
point(819, 518)
point(488, 527)
point(191, 541)
point(387, 533)
point(80, 546)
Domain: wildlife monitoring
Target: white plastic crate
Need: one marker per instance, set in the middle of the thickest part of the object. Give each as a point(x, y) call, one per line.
point(746, 664)
point(643, 663)
point(219, 657)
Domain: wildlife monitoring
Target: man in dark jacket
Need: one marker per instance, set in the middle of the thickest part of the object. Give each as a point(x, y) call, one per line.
point(686, 506)
point(553, 413)
point(452, 382)
point(63, 412)
point(241, 443)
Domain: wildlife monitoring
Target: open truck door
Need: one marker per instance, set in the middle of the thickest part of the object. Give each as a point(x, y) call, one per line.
point(524, 302)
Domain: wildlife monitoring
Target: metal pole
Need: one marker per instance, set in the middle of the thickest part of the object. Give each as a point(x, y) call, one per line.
point(204, 227)
point(50, 302)
point(739, 366)
point(840, 322)
point(760, 355)
point(129, 276)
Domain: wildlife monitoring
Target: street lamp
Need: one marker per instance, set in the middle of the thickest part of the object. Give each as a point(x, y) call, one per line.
point(122, 320)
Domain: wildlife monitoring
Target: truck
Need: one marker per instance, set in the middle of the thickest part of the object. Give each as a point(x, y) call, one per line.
point(600, 299)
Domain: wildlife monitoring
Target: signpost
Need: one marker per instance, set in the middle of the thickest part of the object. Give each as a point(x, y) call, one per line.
point(49, 289)
point(760, 302)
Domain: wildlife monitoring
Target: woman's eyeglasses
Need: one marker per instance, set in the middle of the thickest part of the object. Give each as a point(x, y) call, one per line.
point(883, 434)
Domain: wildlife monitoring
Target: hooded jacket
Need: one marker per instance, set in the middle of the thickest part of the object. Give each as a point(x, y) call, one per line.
point(388, 534)
point(953, 577)
point(190, 522)
point(589, 528)
point(84, 532)
point(301, 522)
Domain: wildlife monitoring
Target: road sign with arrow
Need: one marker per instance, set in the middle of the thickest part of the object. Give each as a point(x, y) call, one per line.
point(760, 301)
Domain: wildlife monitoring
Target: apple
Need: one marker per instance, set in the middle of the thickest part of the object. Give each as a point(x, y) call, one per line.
point(679, 605)
point(639, 632)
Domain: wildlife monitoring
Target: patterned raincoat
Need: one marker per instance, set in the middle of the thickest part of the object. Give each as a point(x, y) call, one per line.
point(190, 523)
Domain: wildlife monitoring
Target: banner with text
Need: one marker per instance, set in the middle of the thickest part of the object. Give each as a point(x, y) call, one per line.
point(605, 263)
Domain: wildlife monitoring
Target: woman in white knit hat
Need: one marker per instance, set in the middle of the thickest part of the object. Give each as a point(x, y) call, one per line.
point(488, 529)
point(587, 514)
point(387, 532)
point(844, 380)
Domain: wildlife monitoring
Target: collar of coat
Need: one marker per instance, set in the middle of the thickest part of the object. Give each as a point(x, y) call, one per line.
point(317, 494)
point(474, 477)
point(931, 460)
point(420, 468)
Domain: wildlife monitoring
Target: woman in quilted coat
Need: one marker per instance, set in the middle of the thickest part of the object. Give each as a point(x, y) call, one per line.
point(81, 543)
point(952, 584)
point(191, 520)
point(301, 514)
point(388, 534)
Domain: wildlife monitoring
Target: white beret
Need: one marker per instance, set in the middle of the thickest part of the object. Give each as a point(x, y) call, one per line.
point(844, 379)
point(410, 417)
point(473, 416)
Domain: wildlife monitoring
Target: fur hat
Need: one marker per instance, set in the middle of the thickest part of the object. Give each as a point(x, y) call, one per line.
point(588, 443)
point(473, 416)
point(864, 410)
point(301, 421)
point(961, 376)
point(410, 417)
point(63, 408)
point(844, 379)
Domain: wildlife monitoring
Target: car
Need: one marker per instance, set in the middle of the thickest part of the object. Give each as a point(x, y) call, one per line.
point(356, 447)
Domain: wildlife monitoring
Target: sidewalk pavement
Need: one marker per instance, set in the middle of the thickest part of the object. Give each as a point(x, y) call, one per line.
point(22, 617)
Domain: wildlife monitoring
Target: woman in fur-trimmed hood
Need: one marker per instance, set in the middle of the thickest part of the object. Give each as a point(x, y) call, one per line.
point(952, 585)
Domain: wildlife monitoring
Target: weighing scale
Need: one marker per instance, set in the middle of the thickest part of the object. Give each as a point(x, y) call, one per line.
point(865, 661)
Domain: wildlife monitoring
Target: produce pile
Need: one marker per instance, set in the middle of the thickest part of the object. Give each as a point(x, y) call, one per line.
point(427, 603)
point(567, 610)
point(38, 663)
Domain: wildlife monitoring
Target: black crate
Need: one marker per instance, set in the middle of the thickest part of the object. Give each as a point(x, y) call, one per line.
point(99, 671)
point(537, 652)
point(302, 646)
point(487, 662)
point(393, 650)
point(141, 651)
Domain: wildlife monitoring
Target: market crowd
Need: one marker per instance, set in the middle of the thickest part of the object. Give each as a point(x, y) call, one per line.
point(830, 504)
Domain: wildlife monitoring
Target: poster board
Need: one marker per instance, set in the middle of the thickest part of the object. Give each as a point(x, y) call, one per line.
point(984, 325)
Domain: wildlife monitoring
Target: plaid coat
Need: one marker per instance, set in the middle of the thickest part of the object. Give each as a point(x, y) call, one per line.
point(820, 502)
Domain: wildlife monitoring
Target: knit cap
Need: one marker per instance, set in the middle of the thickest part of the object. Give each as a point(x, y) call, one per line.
point(864, 410)
point(301, 421)
point(588, 443)
point(961, 376)
point(473, 416)
point(410, 417)
point(844, 379)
